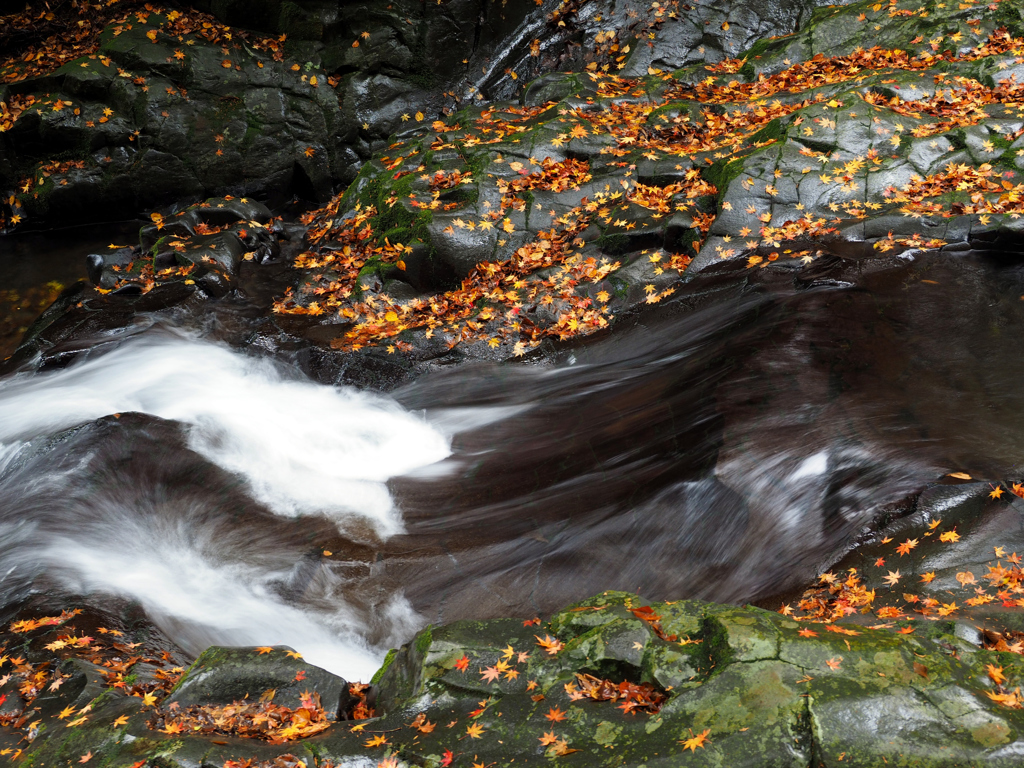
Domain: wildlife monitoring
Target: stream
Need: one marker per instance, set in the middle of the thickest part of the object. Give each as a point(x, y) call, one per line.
point(725, 445)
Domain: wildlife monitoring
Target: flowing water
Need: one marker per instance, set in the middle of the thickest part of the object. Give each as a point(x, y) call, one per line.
point(723, 446)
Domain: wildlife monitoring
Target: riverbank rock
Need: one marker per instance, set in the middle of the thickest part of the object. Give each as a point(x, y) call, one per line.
point(167, 107)
point(614, 681)
point(152, 105)
point(495, 229)
point(182, 260)
point(505, 226)
point(224, 675)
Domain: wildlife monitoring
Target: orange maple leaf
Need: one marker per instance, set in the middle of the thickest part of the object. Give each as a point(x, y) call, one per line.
point(550, 644)
point(555, 715)
point(996, 674)
point(697, 741)
point(906, 546)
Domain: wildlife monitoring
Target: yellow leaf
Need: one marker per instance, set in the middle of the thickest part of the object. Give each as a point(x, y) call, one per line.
point(697, 741)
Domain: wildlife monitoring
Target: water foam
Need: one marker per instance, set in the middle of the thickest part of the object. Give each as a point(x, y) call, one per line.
point(204, 575)
point(303, 448)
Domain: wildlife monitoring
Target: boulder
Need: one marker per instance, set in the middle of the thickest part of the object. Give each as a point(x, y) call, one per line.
point(225, 675)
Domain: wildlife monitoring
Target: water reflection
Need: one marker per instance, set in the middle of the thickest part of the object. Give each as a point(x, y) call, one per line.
point(36, 266)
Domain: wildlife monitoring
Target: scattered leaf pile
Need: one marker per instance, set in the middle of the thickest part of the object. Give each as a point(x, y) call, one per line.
point(837, 597)
point(532, 295)
point(553, 285)
point(362, 709)
point(281, 761)
point(76, 29)
point(260, 719)
point(39, 41)
point(117, 658)
point(642, 697)
point(69, 30)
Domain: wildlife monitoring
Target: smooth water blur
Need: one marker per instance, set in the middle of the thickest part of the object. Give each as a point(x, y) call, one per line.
point(303, 448)
point(726, 445)
point(206, 563)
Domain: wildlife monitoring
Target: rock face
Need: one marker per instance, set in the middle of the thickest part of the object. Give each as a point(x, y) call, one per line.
point(181, 261)
point(730, 686)
point(166, 107)
point(507, 225)
point(164, 111)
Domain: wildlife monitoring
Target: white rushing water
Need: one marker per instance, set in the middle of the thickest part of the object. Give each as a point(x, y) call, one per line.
point(302, 449)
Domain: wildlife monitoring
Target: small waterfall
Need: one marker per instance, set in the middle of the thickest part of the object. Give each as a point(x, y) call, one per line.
point(123, 507)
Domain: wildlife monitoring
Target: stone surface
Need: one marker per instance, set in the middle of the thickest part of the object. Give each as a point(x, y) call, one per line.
point(226, 675)
point(759, 692)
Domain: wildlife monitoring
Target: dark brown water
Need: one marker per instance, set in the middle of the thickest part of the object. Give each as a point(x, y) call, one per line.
point(725, 446)
point(36, 266)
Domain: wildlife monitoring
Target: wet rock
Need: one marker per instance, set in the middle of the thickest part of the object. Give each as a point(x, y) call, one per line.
point(242, 119)
point(225, 675)
point(101, 266)
point(772, 694)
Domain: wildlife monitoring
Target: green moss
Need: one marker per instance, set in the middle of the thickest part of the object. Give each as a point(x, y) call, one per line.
point(717, 652)
point(614, 243)
point(772, 131)
point(477, 162)
point(957, 138)
point(379, 674)
point(722, 173)
point(424, 640)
